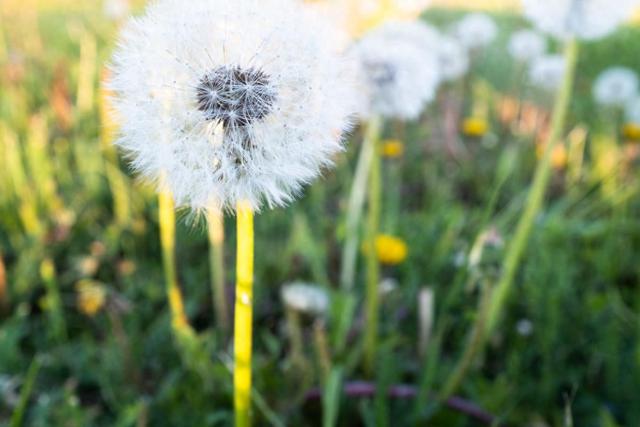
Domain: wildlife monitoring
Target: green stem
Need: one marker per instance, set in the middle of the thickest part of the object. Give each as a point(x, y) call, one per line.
point(537, 193)
point(25, 394)
point(493, 300)
point(372, 300)
point(356, 203)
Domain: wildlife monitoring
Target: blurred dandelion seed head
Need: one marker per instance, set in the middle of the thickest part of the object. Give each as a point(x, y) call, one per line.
point(527, 45)
point(399, 69)
point(547, 71)
point(584, 19)
point(475, 30)
point(306, 298)
point(220, 102)
point(453, 59)
point(616, 87)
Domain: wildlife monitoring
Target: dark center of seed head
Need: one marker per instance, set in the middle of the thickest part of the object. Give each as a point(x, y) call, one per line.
point(381, 73)
point(235, 96)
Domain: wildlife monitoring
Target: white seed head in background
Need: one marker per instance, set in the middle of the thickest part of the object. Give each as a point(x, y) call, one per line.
point(305, 297)
point(527, 45)
point(584, 19)
point(452, 58)
point(399, 77)
point(547, 72)
point(221, 102)
point(116, 9)
point(475, 30)
point(632, 110)
point(615, 87)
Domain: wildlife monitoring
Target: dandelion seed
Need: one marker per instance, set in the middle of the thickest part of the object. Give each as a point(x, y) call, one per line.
point(527, 45)
point(222, 102)
point(475, 30)
point(584, 19)
point(615, 87)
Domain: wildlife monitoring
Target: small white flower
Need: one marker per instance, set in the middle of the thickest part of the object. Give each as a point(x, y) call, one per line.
point(305, 297)
point(615, 86)
point(584, 19)
point(116, 9)
point(453, 59)
point(399, 76)
point(221, 102)
point(476, 30)
point(527, 45)
point(632, 110)
point(547, 72)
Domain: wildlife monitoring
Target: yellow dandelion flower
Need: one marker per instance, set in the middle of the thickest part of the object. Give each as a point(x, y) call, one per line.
point(391, 250)
point(91, 297)
point(559, 156)
point(392, 148)
point(475, 127)
point(631, 132)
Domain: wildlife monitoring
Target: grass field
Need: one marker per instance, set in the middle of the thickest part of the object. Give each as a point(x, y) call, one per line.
point(85, 328)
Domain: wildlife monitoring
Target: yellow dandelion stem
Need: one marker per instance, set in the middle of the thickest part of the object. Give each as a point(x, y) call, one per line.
point(167, 218)
point(372, 300)
point(215, 220)
point(243, 316)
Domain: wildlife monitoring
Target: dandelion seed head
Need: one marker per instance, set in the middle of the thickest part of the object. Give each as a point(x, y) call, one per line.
point(221, 102)
point(475, 30)
point(453, 59)
point(527, 45)
point(584, 19)
point(632, 110)
point(547, 71)
point(399, 70)
point(305, 297)
point(616, 87)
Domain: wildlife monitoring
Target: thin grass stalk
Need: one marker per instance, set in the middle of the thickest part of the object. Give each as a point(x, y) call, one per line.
point(167, 219)
point(492, 303)
point(54, 301)
point(372, 295)
point(116, 179)
point(243, 316)
point(537, 193)
point(4, 291)
point(215, 220)
point(356, 203)
point(86, 73)
point(25, 393)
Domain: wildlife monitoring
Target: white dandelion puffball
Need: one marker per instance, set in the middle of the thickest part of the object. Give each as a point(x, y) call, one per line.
point(116, 9)
point(221, 102)
point(476, 30)
point(615, 87)
point(547, 72)
point(632, 110)
point(305, 297)
point(399, 77)
point(584, 19)
point(527, 45)
point(453, 59)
